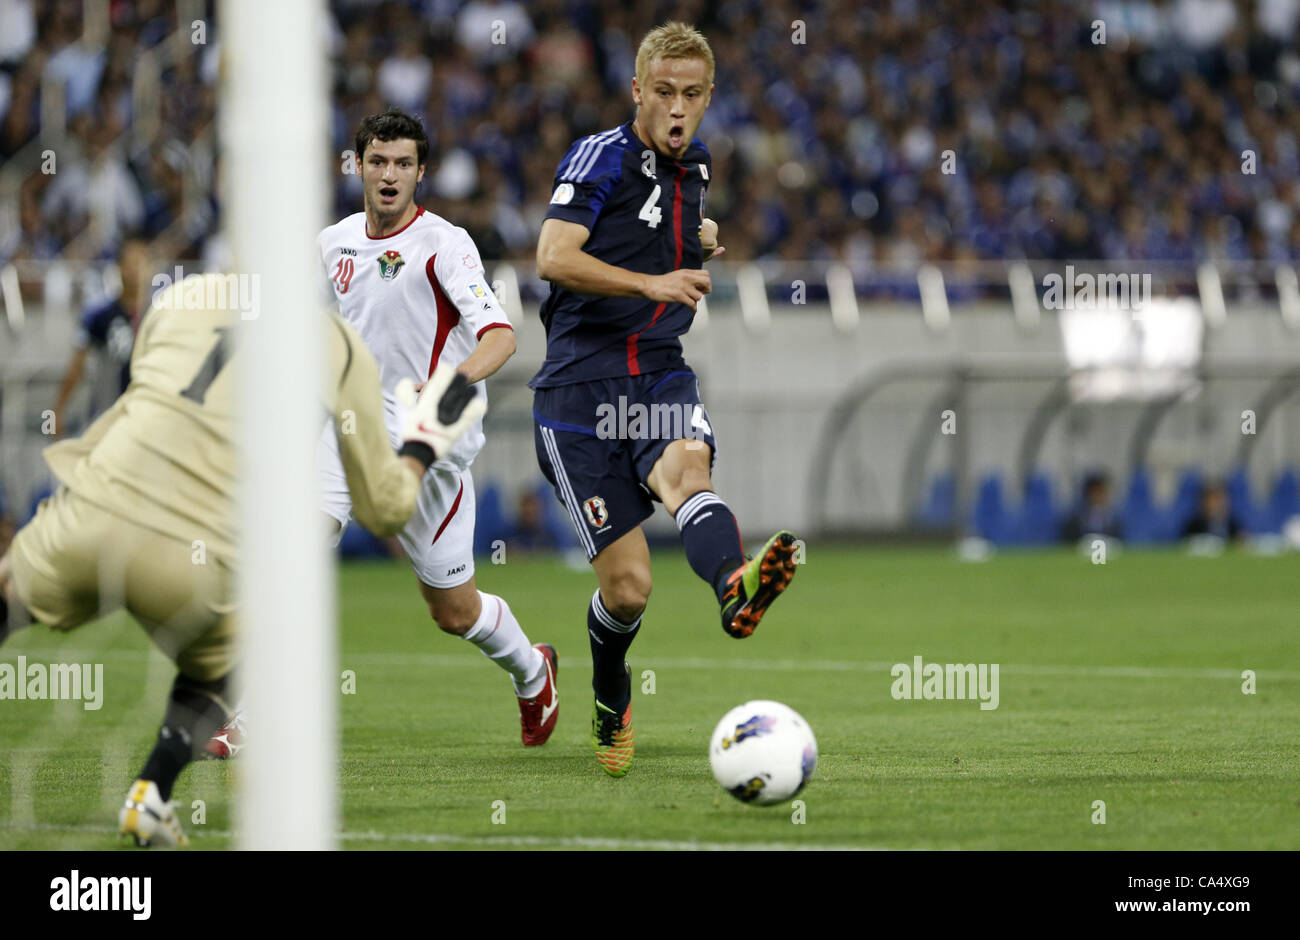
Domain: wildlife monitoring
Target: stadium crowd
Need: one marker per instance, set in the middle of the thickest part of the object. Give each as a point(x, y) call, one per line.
point(1177, 138)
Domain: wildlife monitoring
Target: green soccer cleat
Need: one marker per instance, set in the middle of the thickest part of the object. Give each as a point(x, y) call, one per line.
point(753, 586)
point(611, 734)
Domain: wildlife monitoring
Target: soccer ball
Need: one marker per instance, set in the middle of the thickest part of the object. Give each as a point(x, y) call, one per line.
point(763, 752)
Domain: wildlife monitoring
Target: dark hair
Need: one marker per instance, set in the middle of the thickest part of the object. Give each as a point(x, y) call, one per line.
point(1096, 479)
point(393, 124)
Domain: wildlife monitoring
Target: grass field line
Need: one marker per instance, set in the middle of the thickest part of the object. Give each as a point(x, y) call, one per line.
point(500, 842)
point(804, 665)
point(52, 732)
point(596, 842)
point(21, 804)
point(113, 771)
point(835, 665)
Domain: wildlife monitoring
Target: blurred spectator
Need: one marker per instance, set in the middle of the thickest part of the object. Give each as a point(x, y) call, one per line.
point(8, 527)
point(17, 29)
point(20, 122)
point(1214, 516)
point(493, 29)
point(1096, 514)
point(31, 240)
point(530, 532)
point(900, 132)
point(404, 77)
point(109, 328)
point(75, 65)
point(93, 192)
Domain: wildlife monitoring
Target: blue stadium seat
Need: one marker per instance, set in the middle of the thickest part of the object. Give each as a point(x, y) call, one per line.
point(1039, 521)
point(490, 523)
point(940, 507)
point(358, 542)
point(1252, 518)
point(990, 518)
point(1186, 503)
point(1140, 519)
point(1285, 499)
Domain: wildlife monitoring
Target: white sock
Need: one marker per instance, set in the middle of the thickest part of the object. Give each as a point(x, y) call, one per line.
point(499, 635)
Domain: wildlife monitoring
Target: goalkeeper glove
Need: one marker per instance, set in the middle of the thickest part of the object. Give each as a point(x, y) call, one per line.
point(440, 416)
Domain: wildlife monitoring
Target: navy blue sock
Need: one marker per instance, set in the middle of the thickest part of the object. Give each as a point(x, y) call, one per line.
point(168, 758)
point(610, 639)
point(711, 538)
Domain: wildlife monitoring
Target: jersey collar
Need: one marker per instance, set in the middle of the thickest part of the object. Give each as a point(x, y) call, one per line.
point(419, 211)
point(692, 154)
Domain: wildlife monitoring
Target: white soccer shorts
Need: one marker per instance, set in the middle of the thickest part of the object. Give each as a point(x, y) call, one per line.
point(439, 538)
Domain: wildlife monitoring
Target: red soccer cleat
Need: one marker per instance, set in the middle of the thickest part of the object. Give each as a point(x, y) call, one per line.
point(229, 739)
point(537, 715)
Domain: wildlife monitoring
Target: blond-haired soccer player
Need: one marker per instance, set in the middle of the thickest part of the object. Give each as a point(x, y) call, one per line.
point(622, 245)
point(155, 473)
point(414, 287)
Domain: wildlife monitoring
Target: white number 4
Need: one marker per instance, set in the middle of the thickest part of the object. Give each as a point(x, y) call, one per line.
point(698, 420)
point(650, 212)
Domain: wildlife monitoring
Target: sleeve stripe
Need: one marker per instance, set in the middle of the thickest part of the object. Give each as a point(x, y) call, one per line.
point(493, 326)
point(573, 160)
point(595, 155)
point(586, 156)
point(579, 155)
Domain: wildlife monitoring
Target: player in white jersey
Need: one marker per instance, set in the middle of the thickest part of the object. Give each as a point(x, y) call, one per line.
point(413, 286)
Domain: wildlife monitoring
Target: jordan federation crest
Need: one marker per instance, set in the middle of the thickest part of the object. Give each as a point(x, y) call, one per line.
point(390, 263)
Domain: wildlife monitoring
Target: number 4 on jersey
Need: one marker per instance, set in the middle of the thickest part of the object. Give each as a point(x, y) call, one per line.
point(700, 420)
point(650, 212)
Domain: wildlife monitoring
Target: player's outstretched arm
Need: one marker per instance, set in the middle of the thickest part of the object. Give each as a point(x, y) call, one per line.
point(561, 260)
point(71, 379)
point(494, 348)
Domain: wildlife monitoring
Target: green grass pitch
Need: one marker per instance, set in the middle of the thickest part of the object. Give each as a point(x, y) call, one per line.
point(1119, 682)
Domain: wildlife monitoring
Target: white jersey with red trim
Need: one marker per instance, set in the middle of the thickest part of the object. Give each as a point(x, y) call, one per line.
point(417, 297)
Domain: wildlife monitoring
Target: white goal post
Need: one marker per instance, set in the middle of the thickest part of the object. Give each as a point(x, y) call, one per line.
point(274, 144)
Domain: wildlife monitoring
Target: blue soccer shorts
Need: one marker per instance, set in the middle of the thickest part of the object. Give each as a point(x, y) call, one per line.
point(598, 441)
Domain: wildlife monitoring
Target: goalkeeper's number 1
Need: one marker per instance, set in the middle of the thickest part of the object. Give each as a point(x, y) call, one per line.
point(212, 364)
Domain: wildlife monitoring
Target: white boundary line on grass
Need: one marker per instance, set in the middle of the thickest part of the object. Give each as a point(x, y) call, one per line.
point(48, 735)
point(442, 838)
point(833, 665)
point(598, 842)
point(810, 665)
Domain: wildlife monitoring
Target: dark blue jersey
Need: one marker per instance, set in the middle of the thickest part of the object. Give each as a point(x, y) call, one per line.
point(643, 211)
point(110, 328)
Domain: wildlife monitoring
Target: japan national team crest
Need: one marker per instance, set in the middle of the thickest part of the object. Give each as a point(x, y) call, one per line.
point(390, 263)
point(597, 514)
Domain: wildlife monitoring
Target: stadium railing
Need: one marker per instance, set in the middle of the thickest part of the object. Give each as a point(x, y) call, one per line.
point(825, 354)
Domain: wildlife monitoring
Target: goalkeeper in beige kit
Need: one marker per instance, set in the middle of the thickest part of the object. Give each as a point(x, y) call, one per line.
point(156, 475)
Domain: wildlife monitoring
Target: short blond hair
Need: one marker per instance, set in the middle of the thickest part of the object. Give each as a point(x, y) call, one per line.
point(673, 40)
